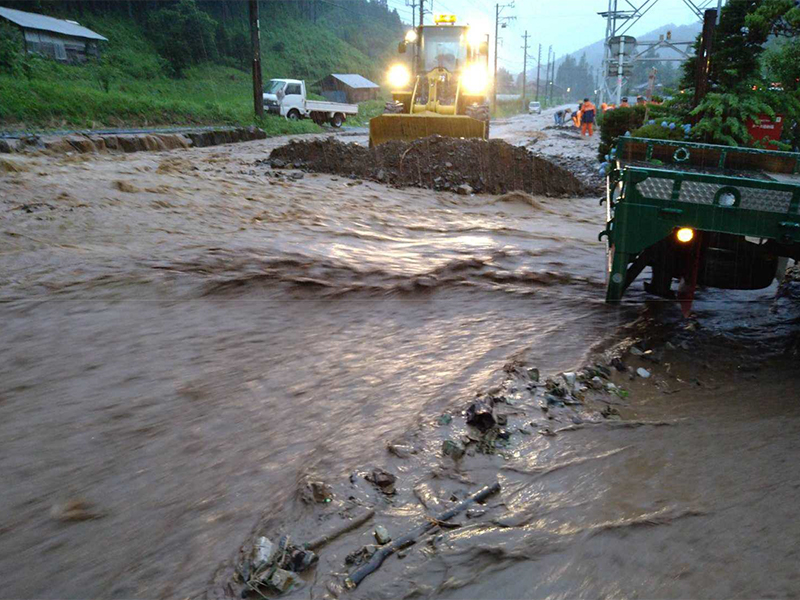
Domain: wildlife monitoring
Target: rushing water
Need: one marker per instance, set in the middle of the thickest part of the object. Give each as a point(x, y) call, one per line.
point(182, 333)
point(184, 337)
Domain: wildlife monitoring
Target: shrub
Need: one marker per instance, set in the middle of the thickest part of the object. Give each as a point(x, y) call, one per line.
point(659, 132)
point(616, 123)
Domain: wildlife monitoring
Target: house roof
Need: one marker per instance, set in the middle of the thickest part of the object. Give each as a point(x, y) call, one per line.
point(354, 81)
point(35, 21)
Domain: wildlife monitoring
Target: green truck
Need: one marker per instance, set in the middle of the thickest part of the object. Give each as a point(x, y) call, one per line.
point(700, 214)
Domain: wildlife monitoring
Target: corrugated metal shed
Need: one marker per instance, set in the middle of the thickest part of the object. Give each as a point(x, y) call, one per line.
point(28, 20)
point(354, 81)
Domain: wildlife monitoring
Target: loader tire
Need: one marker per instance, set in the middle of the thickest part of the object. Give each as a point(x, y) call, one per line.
point(480, 113)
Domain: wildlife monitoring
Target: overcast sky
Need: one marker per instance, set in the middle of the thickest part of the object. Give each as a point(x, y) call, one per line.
point(567, 25)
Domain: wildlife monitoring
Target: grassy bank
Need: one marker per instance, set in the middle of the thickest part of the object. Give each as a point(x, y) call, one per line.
point(134, 86)
point(59, 96)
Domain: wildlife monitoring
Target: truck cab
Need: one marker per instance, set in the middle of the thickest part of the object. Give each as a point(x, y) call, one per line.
point(282, 95)
point(288, 98)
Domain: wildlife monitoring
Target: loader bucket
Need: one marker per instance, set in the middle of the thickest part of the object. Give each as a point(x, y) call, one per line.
point(408, 127)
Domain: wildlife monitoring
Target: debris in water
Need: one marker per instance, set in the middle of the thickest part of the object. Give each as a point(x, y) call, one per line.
point(464, 189)
point(444, 419)
point(480, 415)
point(282, 580)
point(262, 552)
point(643, 373)
point(383, 479)
point(317, 491)
point(76, 509)
point(401, 450)
point(453, 449)
point(382, 535)
point(411, 538)
point(326, 538)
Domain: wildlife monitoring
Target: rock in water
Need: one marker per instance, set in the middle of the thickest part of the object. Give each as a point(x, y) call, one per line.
point(382, 535)
point(480, 415)
point(464, 190)
point(383, 479)
point(451, 448)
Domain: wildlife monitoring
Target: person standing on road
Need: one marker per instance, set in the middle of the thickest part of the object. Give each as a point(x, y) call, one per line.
point(588, 111)
point(557, 117)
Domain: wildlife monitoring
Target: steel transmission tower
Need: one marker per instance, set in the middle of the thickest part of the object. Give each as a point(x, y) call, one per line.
point(617, 60)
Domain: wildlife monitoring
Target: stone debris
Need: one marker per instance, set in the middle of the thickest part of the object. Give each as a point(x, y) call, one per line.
point(480, 414)
point(452, 449)
point(382, 535)
point(383, 480)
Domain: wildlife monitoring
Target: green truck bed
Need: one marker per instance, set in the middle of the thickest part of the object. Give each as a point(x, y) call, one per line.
point(740, 203)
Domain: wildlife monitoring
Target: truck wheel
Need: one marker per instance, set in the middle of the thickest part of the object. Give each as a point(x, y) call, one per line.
point(294, 115)
point(337, 120)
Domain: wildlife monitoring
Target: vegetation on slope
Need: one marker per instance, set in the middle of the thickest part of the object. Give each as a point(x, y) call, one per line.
point(175, 63)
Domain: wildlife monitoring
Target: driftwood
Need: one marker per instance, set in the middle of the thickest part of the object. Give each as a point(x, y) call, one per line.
point(327, 538)
point(410, 538)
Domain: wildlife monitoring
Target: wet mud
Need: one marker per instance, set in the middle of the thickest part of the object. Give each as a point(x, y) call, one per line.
point(435, 162)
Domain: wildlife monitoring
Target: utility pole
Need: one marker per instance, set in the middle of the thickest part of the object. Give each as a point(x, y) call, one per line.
point(551, 74)
point(421, 16)
point(498, 22)
point(255, 43)
point(704, 56)
point(524, 67)
point(538, 69)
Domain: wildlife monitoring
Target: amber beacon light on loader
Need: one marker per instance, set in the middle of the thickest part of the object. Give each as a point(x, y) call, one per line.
point(441, 88)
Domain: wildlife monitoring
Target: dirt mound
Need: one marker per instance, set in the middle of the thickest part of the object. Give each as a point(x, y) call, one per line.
point(436, 162)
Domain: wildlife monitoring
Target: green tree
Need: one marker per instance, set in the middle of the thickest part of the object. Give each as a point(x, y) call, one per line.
point(183, 34)
point(738, 89)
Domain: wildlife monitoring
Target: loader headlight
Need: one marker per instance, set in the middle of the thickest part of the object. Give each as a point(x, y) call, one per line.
point(475, 37)
point(475, 79)
point(399, 76)
point(411, 36)
point(685, 235)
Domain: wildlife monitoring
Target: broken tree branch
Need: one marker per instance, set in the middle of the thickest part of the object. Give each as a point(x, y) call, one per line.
point(410, 538)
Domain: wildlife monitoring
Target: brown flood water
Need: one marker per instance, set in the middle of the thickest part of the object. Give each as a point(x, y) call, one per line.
point(184, 338)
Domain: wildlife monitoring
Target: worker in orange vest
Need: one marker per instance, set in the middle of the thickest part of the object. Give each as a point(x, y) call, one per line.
point(604, 107)
point(588, 113)
point(576, 117)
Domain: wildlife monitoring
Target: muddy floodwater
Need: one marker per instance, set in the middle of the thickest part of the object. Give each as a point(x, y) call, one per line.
point(185, 335)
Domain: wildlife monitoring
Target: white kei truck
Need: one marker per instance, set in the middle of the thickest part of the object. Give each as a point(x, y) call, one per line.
point(287, 97)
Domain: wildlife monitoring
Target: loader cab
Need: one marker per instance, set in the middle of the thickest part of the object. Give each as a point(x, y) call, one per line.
point(443, 47)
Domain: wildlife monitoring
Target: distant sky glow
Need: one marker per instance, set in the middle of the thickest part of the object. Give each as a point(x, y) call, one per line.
point(568, 26)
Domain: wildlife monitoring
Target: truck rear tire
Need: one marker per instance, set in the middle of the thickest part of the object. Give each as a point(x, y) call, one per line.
point(293, 115)
point(337, 119)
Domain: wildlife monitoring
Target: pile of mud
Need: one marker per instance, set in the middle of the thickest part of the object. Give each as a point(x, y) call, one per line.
point(435, 162)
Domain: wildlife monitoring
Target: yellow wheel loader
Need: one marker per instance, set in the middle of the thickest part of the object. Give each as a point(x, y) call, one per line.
point(445, 90)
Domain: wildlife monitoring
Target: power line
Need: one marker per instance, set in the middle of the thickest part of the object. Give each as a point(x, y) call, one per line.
point(498, 20)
